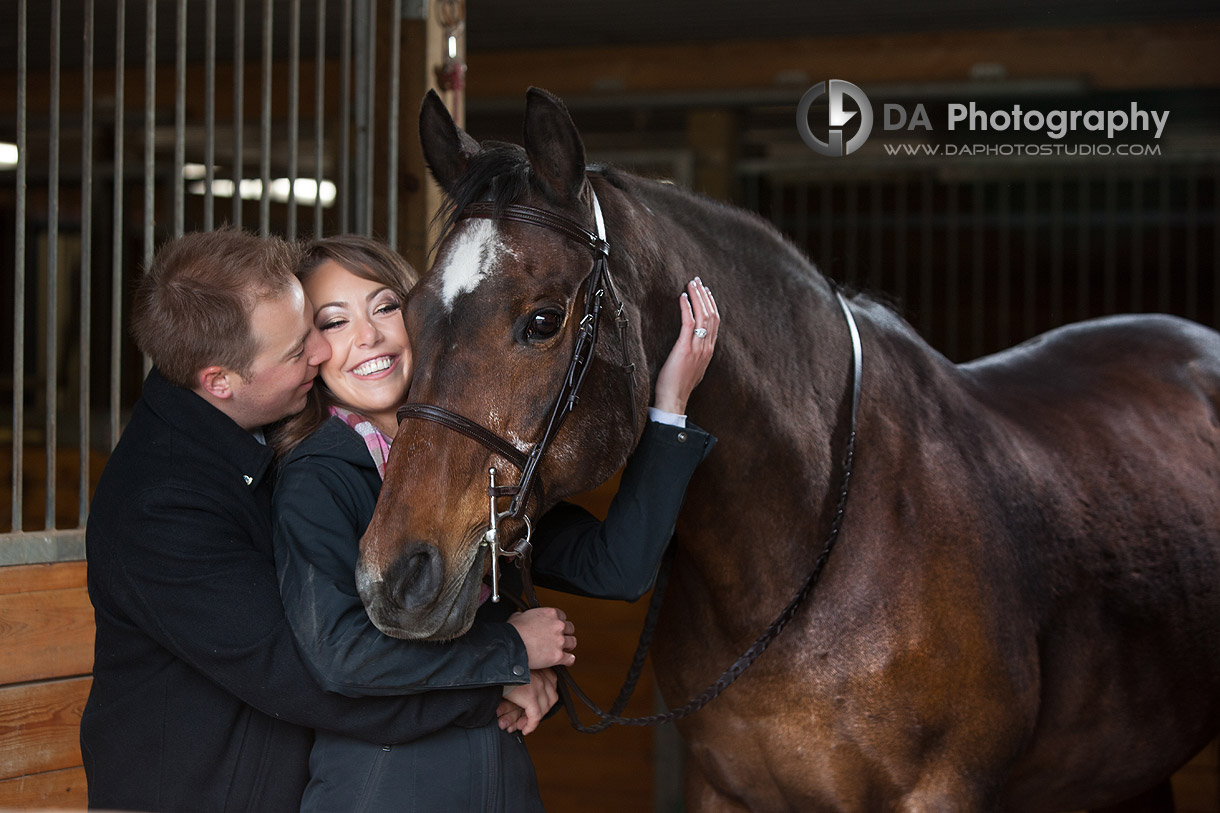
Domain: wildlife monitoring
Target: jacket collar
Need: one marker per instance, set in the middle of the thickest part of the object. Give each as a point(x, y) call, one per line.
point(191, 415)
point(336, 439)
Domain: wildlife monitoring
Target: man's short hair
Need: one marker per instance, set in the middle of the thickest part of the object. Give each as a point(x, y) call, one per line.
point(192, 307)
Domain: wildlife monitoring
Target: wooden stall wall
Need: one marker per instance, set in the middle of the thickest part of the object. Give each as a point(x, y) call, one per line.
point(46, 635)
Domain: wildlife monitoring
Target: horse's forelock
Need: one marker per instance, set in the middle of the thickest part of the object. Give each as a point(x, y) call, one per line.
point(499, 173)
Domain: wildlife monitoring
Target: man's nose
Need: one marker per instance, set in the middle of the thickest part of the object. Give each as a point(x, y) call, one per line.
point(319, 349)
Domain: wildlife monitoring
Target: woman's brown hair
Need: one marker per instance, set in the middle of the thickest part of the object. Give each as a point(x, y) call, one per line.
point(367, 259)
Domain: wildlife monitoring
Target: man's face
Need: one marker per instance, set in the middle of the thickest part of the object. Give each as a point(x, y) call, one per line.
point(289, 352)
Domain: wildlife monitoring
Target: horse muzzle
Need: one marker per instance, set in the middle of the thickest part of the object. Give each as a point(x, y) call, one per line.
point(417, 597)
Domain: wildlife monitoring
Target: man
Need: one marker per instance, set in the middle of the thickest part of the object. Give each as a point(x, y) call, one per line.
point(200, 699)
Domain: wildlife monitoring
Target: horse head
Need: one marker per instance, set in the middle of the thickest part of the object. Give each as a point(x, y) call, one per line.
point(494, 326)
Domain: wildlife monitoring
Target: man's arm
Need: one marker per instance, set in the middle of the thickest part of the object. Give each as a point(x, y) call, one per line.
point(189, 576)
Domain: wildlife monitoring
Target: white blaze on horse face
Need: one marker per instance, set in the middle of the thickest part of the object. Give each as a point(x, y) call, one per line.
point(473, 257)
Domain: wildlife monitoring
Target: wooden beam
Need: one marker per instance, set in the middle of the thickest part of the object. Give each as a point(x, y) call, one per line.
point(61, 790)
point(28, 578)
point(40, 726)
point(1110, 57)
point(45, 634)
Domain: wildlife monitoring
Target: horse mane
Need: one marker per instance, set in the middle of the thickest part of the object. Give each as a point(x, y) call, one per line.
point(500, 174)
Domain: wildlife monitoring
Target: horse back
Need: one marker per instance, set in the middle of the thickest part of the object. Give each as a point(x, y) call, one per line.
point(1110, 431)
point(1108, 448)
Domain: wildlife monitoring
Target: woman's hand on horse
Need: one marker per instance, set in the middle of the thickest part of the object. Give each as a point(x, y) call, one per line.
point(523, 707)
point(692, 352)
point(548, 635)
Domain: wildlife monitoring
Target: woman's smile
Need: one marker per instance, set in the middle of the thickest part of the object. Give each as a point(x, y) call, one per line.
point(378, 367)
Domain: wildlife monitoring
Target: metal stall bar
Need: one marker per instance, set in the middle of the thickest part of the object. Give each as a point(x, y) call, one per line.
point(1083, 291)
point(925, 254)
point(1004, 256)
point(19, 275)
point(364, 181)
point(875, 231)
point(1110, 278)
point(1056, 263)
point(978, 278)
point(319, 119)
point(1215, 243)
point(118, 223)
point(294, 111)
point(1192, 247)
point(150, 130)
point(1137, 244)
point(952, 270)
point(1163, 249)
point(86, 271)
point(179, 183)
point(900, 237)
point(239, 103)
point(345, 112)
point(51, 335)
point(1029, 312)
point(392, 136)
point(365, 57)
point(150, 139)
point(264, 161)
point(209, 115)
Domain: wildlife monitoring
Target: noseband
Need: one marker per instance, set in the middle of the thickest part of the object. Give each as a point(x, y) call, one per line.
point(598, 286)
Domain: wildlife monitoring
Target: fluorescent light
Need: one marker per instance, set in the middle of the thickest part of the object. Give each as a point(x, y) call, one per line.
point(307, 190)
point(8, 155)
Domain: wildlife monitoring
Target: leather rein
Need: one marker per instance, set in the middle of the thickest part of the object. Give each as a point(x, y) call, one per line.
point(600, 284)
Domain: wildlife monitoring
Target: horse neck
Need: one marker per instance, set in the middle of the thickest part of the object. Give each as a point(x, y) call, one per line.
point(776, 392)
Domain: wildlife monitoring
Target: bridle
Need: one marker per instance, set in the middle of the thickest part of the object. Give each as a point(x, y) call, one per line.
point(598, 286)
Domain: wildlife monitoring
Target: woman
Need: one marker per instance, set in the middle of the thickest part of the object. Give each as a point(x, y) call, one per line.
point(332, 461)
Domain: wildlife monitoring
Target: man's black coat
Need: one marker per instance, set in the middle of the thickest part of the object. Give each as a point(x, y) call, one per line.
point(200, 699)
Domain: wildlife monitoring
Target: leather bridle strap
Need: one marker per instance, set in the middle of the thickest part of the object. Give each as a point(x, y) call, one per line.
point(465, 426)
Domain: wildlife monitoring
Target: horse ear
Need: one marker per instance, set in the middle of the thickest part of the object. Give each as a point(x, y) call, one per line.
point(556, 153)
point(447, 147)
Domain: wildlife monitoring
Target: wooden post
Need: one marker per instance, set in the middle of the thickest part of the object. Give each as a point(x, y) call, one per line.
point(419, 198)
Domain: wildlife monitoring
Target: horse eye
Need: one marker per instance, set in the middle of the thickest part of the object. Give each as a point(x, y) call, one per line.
point(543, 325)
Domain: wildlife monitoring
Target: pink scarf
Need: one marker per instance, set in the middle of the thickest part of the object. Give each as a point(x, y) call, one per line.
point(377, 441)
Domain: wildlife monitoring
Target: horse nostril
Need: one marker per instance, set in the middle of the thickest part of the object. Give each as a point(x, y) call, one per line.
point(415, 578)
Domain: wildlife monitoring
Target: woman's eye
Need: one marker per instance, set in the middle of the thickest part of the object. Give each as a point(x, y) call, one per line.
point(332, 324)
point(543, 325)
point(388, 308)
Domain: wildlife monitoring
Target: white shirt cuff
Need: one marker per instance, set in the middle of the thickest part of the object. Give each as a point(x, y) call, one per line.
point(661, 416)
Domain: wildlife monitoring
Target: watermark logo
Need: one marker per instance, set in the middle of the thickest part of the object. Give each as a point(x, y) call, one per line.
point(834, 146)
point(1000, 131)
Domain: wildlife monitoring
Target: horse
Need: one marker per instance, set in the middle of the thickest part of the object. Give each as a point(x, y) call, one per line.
point(1022, 610)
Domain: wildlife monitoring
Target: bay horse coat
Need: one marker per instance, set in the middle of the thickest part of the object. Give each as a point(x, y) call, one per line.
point(1023, 608)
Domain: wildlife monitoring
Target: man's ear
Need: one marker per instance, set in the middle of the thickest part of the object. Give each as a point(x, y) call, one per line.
point(214, 381)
